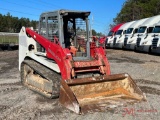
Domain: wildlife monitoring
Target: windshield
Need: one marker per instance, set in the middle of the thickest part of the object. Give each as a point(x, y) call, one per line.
point(129, 31)
point(119, 32)
point(156, 29)
point(141, 29)
point(110, 33)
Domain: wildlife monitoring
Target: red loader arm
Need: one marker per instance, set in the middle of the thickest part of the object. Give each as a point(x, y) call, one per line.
point(63, 57)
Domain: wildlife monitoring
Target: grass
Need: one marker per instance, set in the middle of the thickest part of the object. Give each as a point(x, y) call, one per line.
point(8, 39)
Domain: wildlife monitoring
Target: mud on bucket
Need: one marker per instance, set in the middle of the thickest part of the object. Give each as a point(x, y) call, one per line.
point(98, 93)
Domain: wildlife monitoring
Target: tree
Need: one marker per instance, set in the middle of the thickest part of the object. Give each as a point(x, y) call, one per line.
point(94, 33)
point(8, 23)
point(100, 34)
point(137, 9)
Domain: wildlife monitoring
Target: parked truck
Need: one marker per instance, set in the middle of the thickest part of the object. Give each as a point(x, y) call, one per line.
point(155, 47)
point(144, 41)
point(131, 34)
point(110, 37)
point(120, 35)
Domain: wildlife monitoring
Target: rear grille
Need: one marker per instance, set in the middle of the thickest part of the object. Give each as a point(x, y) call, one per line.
point(154, 42)
point(114, 42)
point(125, 41)
point(138, 42)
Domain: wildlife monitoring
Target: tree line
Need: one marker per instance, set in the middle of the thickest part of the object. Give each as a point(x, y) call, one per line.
point(8, 23)
point(137, 9)
point(94, 33)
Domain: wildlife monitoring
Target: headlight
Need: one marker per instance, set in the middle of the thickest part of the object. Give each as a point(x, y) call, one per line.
point(111, 41)
point(146, 36)
point(118, 41)
point(132, 35)
point(144, 42)
point(131, 41)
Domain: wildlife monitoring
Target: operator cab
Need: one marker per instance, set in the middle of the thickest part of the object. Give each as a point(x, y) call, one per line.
point(68, 29)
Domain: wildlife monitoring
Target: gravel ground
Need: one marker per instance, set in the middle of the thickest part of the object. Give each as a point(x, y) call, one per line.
point(20, 103)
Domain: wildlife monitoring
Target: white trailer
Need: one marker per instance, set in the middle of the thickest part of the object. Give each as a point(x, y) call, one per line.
point(155, 47)
point(120, 35)
point(144, 41)
point(131, 34)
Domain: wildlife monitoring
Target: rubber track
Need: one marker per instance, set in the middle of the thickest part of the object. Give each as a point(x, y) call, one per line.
point(45, 73)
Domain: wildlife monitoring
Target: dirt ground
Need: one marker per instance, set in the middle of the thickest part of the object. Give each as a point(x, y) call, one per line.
point(20, 103)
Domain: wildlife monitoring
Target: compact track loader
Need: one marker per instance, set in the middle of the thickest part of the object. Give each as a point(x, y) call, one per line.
point(63, 61)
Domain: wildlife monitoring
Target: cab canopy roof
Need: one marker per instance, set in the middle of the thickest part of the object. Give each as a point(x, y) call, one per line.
point(63, 12)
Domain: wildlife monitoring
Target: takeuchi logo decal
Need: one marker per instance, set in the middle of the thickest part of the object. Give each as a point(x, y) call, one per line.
point(59, 59)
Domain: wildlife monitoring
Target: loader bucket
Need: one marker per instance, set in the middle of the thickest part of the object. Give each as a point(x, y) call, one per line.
point(99, 93)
